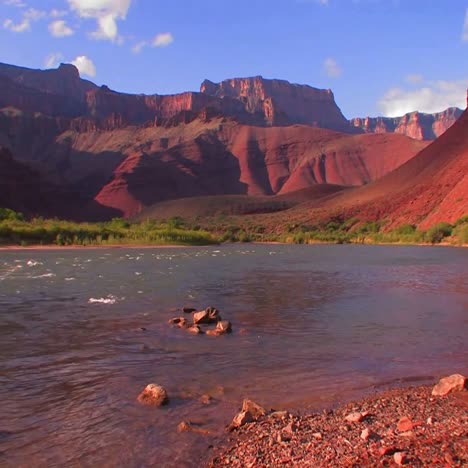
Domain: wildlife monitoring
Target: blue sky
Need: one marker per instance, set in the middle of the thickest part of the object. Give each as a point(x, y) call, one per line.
point(380, 57)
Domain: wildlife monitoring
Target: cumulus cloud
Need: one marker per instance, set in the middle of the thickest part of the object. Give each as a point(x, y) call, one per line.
point(53, 60)
point(331, 67)
point(137, 48)
point(105, 12)
point(59, 28)
point(465, 27)
point(162, 40)
point(29, 15)
point(85, 65)
point(435, 96)
point(414, 78)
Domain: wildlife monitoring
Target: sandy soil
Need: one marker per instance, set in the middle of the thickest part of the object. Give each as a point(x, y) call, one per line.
point(434, 434)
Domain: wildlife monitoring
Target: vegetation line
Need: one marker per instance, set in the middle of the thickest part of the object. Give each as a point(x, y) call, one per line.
point(16, 230)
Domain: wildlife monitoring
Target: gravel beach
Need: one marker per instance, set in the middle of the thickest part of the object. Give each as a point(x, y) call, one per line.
point(408, 427)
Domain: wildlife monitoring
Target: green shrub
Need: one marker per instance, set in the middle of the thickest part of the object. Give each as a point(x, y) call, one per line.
point(438, 232)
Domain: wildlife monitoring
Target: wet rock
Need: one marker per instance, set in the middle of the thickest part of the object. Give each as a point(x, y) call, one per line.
point(430, 421)
point(188, 310)
point(177, 320)
point(317, 435)
point(224, 326)
point(154, 395)
point(400, 458)
point(205, 399)
point(201, 317)
point(240, 419)
point(184, 426)
point(213, 314)
point(253, 408)
point(195, 329)
point(453, 383)
point(405, 424)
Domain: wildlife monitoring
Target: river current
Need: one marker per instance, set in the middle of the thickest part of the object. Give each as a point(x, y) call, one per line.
point(82, 331)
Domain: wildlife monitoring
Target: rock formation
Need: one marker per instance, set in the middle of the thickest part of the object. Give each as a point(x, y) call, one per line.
point(278, 102)
point(415, 124)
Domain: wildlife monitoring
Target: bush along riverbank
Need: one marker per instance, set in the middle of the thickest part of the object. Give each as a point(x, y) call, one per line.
point(416, 427)
point(15, 230)
point(337, 231)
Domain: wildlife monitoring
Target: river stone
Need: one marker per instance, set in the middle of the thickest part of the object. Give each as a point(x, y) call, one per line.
point(177, 320)
point(251, 407)
point(224, 326)
point(201, 317)
point(154, 395)
point(188, 310)
point(184, 426)
point(213, 314)
point(240, 419)
point(453, 383)
point(195, 329)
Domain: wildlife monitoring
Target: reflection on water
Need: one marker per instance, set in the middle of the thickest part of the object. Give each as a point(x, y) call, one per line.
point(312, 325)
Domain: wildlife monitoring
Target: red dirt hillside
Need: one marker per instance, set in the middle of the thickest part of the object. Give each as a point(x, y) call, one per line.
point(430, 188)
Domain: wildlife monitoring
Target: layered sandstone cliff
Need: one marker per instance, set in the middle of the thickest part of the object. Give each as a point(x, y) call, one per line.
point(278, 102)
point(415, 124)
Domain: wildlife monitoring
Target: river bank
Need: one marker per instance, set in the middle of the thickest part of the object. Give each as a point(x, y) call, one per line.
point(396, 427)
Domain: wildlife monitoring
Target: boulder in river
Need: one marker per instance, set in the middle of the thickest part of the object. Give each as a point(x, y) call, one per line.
point(250, 412)
point(188, 310)
point(177, 320)
point(453, 383)
point(154, 395)
point(222, 327)
point(195, 329)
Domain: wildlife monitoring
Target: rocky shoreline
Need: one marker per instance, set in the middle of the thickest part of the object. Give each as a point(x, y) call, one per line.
point(419, 426)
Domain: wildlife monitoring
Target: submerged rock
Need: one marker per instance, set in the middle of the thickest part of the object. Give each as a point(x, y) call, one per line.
point(195, 329)
point(154, 395)
point(453, 383)
point(188, 310)
point(177, 321)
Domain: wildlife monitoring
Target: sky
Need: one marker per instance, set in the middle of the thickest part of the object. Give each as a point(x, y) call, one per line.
point(379, 57)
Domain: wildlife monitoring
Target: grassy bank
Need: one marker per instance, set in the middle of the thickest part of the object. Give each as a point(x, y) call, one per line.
point(15, 230)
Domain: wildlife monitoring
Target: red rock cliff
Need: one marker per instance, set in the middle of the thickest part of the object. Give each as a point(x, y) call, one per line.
point(279, 102)
point(415, 124)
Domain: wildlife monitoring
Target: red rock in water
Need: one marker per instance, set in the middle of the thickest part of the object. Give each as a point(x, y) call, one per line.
point(153, 394)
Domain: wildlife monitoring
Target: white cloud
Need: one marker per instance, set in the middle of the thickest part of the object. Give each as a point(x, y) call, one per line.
point(105, 12)
point(162, 40)
point(331, 67)
point(414, 78)
point(435, 96)
point(58, 13)
point(136, 49)
point(465, 27)
point(53, 60)
point(85, 65)
point(29, 15)
point(22, 26)
point(59, 28)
